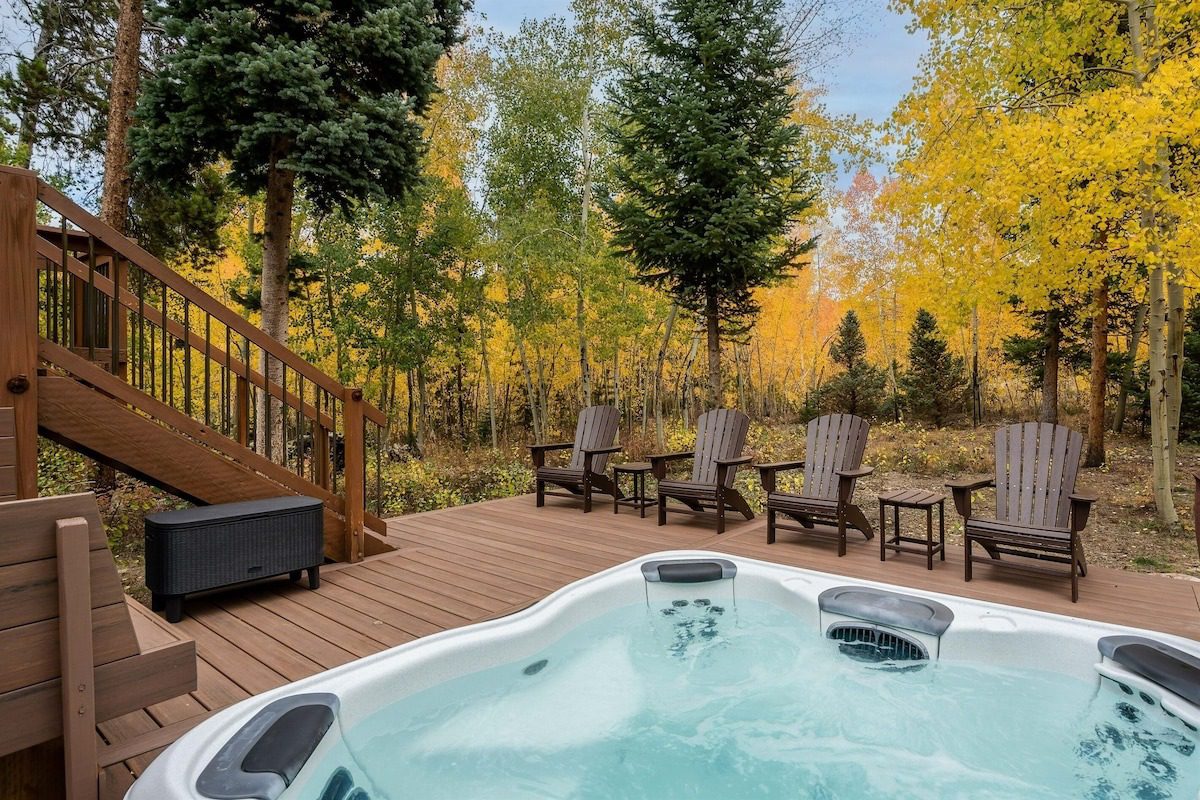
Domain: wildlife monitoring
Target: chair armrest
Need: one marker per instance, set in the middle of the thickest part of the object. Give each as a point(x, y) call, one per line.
point(538, 451)
point(780, 466)
point(962, 493)
point(861, 472)
point(602, 451)
point(971, 485)
point(1081, 509)
point(766, 472)
point(734, 462)
point(658, 461)
point(725, 464)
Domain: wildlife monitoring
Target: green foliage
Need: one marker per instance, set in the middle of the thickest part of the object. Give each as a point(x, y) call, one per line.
point(860, 385)
point(709, 175)
point(54, 94)
point(329, 91)
point(183, 225)
point(935, 383)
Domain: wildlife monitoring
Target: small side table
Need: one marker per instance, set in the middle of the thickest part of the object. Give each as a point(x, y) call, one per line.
point(639, 470)
point(913, 498)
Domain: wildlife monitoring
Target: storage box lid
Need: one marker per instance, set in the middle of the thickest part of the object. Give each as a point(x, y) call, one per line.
point(231, 512)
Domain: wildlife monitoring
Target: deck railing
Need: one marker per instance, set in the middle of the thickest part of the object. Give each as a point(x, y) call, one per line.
point(105, 301)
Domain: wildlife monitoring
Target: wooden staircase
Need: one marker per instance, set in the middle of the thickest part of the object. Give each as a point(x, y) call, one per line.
point(107, 351)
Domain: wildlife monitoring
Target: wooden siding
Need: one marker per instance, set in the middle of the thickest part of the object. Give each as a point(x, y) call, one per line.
point(464, 565)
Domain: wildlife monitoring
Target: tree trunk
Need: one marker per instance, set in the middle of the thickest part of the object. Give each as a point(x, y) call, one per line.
point(1176, 310)
point(1053, 334)
point(122, 97)
point(277, 235)
point(660, 434)
point(1099, 378)
point(531, 395)
point(712, 321)
point(585, 369)
point(1133, 345)
point(491, 387)
point(1161, 443)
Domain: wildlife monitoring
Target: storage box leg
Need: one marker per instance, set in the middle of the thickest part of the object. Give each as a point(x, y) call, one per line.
point(314, 577)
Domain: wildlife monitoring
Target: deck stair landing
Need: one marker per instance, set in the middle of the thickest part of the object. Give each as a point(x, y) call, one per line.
point(107, 351)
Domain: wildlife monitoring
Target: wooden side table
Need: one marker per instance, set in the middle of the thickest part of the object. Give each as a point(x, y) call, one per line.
point(639, 470)
point(913, 498)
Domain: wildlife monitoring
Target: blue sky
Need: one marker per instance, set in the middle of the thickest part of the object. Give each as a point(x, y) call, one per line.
point(866, 80)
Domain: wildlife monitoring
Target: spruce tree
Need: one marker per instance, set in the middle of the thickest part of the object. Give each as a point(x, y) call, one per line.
point(935, 384)
point(859, 387)
point(309, 94)
point(709, 176)
point(314, 95)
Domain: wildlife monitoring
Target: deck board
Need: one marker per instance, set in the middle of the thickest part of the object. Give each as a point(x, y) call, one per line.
point(462, 565)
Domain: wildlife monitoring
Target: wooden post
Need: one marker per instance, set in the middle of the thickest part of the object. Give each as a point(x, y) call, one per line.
point(75, 654)
point(356, 477)
point(18, 333)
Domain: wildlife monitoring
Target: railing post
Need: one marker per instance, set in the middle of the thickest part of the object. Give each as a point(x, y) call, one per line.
point(18, 334)
point(356, 477)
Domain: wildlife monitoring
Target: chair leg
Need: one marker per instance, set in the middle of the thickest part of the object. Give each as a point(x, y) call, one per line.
point(541, 493)
point(662, 509)
point(1074, 581)
point(929, 537)
point(587, 495)
point(967, 559)
point(841, 520)
point(770, 525)
point(720, 513)
point(882, 532)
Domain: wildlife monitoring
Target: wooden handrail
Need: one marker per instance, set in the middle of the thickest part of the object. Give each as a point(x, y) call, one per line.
point(141, 258)
point(194, 340)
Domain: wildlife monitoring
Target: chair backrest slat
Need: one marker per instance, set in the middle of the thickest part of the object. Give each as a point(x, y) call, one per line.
point(834, 442)
point(597, 427)
point(720, 434)
point(1036, 468)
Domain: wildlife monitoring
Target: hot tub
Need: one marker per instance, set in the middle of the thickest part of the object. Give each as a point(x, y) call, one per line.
point(692, 674)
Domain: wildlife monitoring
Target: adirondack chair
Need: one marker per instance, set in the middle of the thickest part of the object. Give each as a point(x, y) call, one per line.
point(69, 653)
point(1038, 514)
point(585, 472)
point(720, 437)
point(832, 466)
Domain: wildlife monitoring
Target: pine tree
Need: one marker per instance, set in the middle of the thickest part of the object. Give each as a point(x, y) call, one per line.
point(859, 387)
point(307, 94)
point(709, 178)
point(935, 384)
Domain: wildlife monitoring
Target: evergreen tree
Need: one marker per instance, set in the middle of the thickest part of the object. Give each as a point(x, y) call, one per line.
point(709, 177)
point(935, 384)
point(310, 92)
point(859, 387)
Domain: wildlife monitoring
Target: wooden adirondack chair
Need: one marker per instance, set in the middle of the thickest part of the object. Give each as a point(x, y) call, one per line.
point(585, 472)
point(720, 437)
point(832, 466)
point(69, 653)
point(1038, 514)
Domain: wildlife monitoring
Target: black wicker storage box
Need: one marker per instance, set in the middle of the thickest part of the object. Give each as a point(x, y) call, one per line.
point(208, 547)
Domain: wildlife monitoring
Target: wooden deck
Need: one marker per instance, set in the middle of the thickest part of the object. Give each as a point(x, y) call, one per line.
point(467, 564)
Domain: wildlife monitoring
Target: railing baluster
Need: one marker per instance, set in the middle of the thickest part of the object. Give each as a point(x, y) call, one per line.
point(300, 430)
point(187, 357)
point(114, 316)
point(141, 329)
point(268, 434)
point(162, 350)
point(207, 369)
point(89, 302)
point(378, 470)
point(225, 387)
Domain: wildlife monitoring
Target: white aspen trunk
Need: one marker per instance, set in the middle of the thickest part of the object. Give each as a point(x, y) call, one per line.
point(585, 370)
point(491, 387)
point(534, 408)
point(1161, 445)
